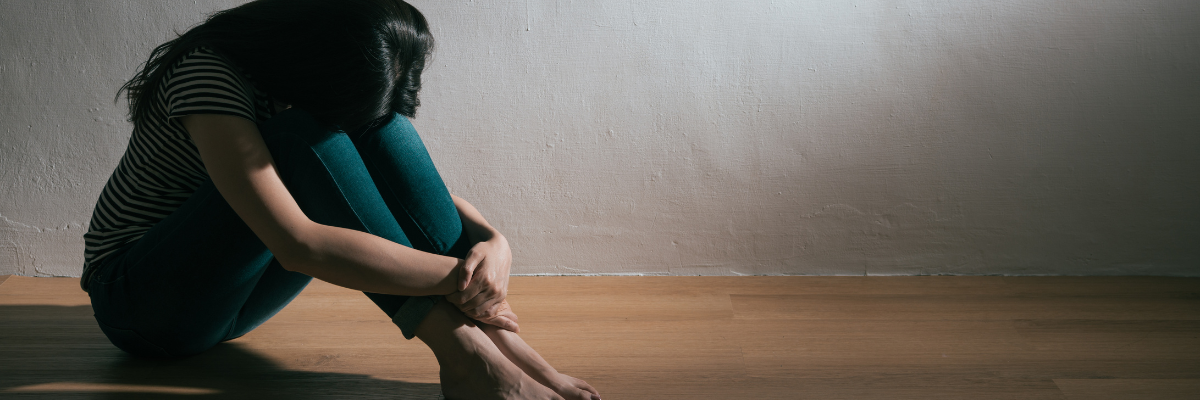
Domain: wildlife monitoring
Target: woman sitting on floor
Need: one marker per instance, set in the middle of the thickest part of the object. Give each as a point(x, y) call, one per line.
point(271, 145)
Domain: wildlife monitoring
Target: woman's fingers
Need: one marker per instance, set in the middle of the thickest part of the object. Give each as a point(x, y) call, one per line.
point(467, 272)
point(474, 288)
point(484, 303)
point(502, 322)
point(504, 319)
point(482, 307)
point(482, 295)
point(478, 292)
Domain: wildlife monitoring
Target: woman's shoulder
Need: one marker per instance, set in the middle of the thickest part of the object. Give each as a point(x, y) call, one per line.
point(202, 60)
point(204, 81)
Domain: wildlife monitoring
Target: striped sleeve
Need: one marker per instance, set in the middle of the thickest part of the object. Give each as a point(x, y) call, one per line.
point(204, 83)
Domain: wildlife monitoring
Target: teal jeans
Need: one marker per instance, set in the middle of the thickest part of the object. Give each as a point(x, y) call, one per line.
point(201, 276)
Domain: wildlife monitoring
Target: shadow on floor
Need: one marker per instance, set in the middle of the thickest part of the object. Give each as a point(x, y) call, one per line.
point(58, 352)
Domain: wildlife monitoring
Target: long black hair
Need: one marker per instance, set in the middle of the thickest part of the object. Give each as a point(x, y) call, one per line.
point(348, 63)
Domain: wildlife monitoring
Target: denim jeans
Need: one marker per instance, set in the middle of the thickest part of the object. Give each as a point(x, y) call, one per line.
point(201, 276)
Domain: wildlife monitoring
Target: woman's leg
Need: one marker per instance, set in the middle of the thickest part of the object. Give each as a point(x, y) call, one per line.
point(524, 357)
point(411, 187)
point(404, 173)
point(472, 367)
point(315, 160)
point(417, 200)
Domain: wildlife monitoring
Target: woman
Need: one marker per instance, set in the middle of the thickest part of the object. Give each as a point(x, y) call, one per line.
point(271, 144)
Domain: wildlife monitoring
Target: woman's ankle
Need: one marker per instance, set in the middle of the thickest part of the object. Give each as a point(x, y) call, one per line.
point(520, 353)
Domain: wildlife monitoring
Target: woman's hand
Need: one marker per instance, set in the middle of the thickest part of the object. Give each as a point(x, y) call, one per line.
point(483, 281)
point(504, 319)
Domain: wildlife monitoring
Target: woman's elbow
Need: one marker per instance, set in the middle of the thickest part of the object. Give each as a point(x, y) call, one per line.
point(292, 265)
point(293, 261)
point(295, 254)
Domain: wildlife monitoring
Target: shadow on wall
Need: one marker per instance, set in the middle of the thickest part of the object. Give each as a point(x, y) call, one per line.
point(57, 352)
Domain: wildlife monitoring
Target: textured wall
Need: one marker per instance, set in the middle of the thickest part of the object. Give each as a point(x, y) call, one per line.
point(742, 137)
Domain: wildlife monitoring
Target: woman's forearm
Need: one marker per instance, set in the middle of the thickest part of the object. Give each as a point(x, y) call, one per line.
point(366, 262)
point(476, 227)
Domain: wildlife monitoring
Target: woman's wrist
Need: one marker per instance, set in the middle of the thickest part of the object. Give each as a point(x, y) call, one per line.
point(449, 285)
point(482, 233)
point(476, 227)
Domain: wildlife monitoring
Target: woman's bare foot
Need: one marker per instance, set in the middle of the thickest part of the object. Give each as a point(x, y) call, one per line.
point(472, 367)
point(571, 388)
point(491, 377)
point(528, 360)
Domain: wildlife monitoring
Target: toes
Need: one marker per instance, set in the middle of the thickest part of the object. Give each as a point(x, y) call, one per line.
point(591, 390)
point(585, 395)
point(579, 383)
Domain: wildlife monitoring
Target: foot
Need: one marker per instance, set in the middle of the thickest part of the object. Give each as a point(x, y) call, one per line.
point(472, 367)
point(487, 377)
point(570, 388)
point(536, 367)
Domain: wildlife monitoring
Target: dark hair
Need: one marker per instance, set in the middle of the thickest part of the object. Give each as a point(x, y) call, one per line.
point(348, 63)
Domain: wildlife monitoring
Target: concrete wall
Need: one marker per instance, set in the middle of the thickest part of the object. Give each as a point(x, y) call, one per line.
point(737, 137)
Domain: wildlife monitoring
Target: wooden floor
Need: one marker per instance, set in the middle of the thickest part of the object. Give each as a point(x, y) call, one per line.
point(670, 338)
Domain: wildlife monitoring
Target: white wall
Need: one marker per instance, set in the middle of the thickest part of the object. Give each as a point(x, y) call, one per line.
point(736, 137)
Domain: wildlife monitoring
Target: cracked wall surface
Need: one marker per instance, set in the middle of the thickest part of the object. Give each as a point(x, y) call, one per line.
point(717, 138)
point(39, 251)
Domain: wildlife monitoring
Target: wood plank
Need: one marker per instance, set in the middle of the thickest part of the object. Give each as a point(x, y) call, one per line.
point(43, 291)
point(895, 359)
point(810, 348)
point(3, 278)
point(918, 385)
point(1113, 339)
point(1129, 389)
point(1108, 286)
point(647, 307)
point(865, 285)
point(667, 285)
point(963, 307)
point(1084, 349)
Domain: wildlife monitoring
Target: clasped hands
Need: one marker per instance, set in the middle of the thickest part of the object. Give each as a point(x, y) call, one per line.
point(483, 284)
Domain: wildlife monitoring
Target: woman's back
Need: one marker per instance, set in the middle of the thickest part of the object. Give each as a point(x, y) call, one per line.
point(161, 167)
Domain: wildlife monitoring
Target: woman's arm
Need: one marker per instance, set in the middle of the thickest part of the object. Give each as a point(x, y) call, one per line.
point(477, 228)
point(244, 173)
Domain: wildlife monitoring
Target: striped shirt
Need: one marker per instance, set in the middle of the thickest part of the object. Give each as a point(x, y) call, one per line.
point(161, 167)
